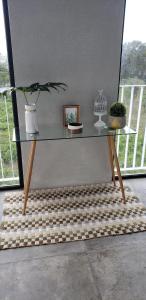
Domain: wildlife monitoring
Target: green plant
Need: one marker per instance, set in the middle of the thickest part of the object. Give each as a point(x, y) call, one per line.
point(117, 110)
point(34, 88)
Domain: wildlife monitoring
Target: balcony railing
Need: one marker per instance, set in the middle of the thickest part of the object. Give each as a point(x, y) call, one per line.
point(131, 149)
point(8, 153)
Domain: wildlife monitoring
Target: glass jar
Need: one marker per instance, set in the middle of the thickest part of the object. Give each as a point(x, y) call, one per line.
point(100, 108)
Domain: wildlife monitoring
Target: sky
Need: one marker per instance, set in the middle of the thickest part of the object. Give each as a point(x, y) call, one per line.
point(134, 27)
point(135, 21)
point(3, 50)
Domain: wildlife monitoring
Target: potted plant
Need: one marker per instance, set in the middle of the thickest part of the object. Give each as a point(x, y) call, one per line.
point(117, 116)
point(31, 108)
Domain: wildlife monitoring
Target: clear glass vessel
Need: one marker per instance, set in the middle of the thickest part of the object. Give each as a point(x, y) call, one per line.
point(100, 108)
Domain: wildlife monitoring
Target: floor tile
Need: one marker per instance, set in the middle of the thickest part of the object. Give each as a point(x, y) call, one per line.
point(56, 278)
point(120, 273)
point(19, 254)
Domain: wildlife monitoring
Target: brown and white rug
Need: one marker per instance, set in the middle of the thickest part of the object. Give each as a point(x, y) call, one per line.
point(69, 214)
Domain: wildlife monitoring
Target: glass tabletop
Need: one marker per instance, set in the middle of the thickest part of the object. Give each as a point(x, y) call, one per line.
point(61, 133)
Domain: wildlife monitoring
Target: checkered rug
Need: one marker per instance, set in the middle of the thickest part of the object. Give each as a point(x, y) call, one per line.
point(69, 214)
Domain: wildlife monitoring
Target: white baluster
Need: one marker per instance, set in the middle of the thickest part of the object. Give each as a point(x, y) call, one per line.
point(129, 123)
point(143, 149)
point(121, 100)
point(9, 136)
point(137, 126)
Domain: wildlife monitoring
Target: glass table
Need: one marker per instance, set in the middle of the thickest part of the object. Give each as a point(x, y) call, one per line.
point(59, 133)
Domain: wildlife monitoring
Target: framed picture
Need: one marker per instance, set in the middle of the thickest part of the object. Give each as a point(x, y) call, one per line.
point(71, 114)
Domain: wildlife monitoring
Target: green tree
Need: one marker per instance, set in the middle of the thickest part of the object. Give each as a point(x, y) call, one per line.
point(4, 73)
point(134, 61)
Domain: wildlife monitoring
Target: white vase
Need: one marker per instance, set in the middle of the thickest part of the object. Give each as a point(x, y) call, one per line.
point(31, 118)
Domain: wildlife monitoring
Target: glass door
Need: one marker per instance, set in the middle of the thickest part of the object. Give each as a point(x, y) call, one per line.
point(9, 169)
point(132, 150)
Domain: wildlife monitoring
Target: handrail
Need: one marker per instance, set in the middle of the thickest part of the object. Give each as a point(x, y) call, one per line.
point(134, 151)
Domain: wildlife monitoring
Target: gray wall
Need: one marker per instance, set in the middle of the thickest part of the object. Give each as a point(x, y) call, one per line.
point(78, 42)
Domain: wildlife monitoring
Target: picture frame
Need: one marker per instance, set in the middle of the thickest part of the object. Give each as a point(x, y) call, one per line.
point(71, 114)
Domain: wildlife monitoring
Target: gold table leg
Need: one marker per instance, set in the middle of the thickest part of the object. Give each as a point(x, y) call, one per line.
point(28, 174)
point(114, 152)
point(111, 158)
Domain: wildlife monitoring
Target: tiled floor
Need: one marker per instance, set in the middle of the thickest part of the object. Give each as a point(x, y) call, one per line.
point(110, 268)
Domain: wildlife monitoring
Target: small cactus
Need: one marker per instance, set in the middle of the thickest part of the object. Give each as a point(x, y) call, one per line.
point(117, 110)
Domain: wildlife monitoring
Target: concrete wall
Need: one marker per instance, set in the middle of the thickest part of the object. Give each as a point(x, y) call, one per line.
point(77, 42)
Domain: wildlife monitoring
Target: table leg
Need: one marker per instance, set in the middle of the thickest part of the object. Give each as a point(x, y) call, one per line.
point(111, 158)
point(28, 174)
point(112, 142)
